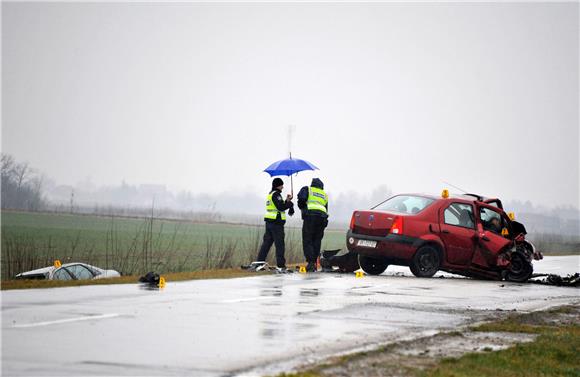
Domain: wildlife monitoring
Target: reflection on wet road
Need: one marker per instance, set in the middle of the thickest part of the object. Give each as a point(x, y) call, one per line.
point(255, 325)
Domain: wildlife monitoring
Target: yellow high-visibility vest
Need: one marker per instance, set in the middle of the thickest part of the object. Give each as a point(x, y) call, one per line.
point(271, 210)
point(317, 200)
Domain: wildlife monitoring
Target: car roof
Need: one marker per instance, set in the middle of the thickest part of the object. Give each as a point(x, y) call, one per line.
point(466, 197)
point(438, 197)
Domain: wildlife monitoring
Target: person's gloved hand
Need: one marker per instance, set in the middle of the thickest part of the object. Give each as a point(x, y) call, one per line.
point(291, 211)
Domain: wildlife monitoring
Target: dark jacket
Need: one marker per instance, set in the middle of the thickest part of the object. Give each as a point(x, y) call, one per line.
point(281, 205)
point(303, 198)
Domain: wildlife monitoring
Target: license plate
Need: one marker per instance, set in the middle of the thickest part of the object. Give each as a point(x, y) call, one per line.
point(366, 243)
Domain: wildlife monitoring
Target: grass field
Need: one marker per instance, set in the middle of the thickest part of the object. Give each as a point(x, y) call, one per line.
point(134, 245)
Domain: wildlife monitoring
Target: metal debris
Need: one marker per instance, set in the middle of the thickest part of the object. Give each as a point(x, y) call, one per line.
point(571, 280)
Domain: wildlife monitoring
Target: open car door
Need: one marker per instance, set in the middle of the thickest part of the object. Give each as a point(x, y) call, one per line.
point(490, 223)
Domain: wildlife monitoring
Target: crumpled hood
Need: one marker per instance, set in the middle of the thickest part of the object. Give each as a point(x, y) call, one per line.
point(41, 271)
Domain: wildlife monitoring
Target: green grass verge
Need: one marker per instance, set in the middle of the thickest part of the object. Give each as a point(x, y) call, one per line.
point(175, 276)
point(555, 352)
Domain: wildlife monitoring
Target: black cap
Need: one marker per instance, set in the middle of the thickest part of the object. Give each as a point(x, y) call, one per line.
point(277, 182)
point(316, 182)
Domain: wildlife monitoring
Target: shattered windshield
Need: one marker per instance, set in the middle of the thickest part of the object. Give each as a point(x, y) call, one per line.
point(405, 204)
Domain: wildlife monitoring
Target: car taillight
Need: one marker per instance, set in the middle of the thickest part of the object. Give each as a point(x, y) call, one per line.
point(351, 226)
point(397, 227)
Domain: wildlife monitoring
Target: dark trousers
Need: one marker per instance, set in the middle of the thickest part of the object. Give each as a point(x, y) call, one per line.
point(274, 235)
point(312, 233)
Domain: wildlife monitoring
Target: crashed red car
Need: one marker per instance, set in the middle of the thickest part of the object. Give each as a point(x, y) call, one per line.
point(467, 235)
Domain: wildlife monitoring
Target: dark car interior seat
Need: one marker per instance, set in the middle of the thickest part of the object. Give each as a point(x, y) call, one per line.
point(465, 219)
point(401, 207)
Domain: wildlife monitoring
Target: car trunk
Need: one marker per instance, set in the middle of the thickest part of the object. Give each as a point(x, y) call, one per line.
point(373, 223)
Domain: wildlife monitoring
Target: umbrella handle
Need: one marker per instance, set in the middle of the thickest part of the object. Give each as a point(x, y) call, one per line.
point(291, 186)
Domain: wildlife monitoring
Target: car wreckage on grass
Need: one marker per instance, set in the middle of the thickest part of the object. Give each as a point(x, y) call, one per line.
point(68, 271)
point(467, 235)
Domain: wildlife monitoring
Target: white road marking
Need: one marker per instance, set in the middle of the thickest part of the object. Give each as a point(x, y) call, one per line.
point(68, 320)
point(249, 299)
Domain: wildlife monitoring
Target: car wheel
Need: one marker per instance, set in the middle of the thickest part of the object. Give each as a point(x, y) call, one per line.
point(372, 266)
point(426, 262)
point(520, 269)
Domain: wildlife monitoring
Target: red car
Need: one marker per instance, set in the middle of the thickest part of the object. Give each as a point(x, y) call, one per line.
point(467, 235)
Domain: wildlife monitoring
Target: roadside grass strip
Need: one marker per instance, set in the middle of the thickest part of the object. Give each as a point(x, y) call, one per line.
point(555, 351)
point(132, 279)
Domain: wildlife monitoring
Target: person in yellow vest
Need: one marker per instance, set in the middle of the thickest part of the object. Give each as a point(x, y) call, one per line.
point(313, 202)
point(275, 218)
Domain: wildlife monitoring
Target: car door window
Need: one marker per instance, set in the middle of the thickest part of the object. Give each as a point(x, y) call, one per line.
point(80, 272)
point(459, 214)
point(61, 274)
point(491, 220)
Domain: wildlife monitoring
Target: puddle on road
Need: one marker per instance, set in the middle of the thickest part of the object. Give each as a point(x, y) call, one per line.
point(271, 292)
point(309, 292)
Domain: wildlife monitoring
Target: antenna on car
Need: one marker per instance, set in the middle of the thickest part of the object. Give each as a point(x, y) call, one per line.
point(477, 196)
point(455, 187)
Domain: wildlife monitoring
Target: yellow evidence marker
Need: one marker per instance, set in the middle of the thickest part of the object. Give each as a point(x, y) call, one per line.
point(161, 282)
point(57, 263)
point(512, 216)
point(359, 274)
point(445, 194)
point(302, 270)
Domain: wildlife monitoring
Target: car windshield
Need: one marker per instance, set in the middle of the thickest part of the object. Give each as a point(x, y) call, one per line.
point(405, 204)
point(80, 272)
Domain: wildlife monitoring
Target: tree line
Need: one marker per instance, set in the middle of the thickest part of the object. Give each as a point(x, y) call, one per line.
point(21, 186)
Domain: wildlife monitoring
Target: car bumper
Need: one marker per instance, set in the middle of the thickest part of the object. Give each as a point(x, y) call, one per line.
point(393, 245)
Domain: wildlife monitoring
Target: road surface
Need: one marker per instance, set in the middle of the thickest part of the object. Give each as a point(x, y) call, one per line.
point(247, 326)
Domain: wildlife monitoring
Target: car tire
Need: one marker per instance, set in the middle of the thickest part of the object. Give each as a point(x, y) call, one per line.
point(372, 266)
point(520, 269)
point(426, 262)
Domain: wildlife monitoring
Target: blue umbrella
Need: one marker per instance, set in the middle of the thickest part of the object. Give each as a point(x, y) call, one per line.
point(289, 166)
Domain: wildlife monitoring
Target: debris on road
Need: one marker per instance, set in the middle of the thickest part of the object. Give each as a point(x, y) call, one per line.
point(152, 280)
point(332, 262)
point(571, 280)
point(264, 266)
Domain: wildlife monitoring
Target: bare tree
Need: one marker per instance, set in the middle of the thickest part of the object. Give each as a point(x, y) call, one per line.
point(21, 185)
point(21, 172)
point(7, 166)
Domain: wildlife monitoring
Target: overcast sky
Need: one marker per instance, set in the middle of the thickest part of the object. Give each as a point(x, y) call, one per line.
point(199, 96)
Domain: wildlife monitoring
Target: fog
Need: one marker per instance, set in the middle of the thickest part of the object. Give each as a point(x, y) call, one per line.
point(197, 97)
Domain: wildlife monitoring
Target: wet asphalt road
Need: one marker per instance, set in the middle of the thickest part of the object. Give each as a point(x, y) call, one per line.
point(247, 326)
